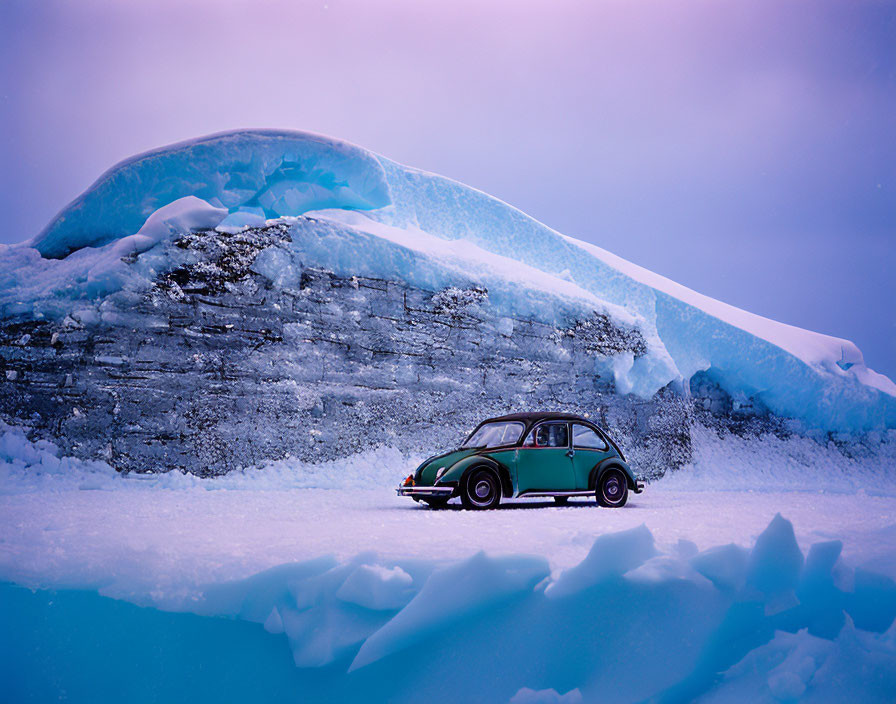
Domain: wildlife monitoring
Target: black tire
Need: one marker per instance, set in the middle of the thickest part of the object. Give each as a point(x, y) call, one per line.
point(438, 502)
point(481, 490)
point(612, 489)
point(561, 500)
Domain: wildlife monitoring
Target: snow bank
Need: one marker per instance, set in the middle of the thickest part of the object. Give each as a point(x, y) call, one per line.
point(31, 285)
point(725, 624)
point(720, 463)
point(36, 465)
point(32, 465)
point(772, 463)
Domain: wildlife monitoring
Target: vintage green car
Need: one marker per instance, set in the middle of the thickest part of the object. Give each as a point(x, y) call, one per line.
point(555, 455)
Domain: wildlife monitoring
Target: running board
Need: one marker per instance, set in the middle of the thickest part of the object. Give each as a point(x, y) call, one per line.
point(557, 493)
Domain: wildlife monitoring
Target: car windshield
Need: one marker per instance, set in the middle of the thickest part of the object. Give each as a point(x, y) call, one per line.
point(494, 434)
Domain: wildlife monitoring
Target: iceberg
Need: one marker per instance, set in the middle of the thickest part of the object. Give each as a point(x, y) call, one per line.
point(256, 214)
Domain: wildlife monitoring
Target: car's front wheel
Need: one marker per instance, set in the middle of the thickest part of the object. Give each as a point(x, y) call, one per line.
point(482, 490)
point(612, 489)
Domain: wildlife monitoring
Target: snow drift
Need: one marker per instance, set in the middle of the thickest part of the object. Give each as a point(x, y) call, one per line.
point(401, 223)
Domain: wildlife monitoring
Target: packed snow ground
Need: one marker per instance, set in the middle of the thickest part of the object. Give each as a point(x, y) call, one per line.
point(158, 538)
point(138, 540)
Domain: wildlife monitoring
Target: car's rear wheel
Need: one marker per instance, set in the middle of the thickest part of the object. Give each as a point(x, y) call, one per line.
point(612, 489)
point(561, 500)
point(482, 490)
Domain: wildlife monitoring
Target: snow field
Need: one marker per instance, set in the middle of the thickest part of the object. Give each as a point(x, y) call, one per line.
point(686, 594)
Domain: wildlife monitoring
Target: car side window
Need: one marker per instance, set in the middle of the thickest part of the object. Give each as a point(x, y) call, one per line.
point(585, 437)
point(549, 435)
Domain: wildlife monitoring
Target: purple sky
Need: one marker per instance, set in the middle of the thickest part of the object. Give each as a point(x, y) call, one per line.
point(744, 148)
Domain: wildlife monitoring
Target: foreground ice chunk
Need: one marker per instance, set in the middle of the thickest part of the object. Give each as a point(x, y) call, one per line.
point(546, 696)
point(611, 556)
point(450, 595)
point(776, 560)
point(872, 602)
point(853, 667)
point(656, 632)
point(253, 599)
point(377, 587)
point(320, 627)
point(725, 565)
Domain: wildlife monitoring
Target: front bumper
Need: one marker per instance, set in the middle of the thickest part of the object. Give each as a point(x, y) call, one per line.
point(429, 491)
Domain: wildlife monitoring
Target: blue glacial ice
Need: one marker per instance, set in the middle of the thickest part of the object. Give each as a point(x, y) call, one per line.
point(655, 627)
point(399, 222)
point(279, 173)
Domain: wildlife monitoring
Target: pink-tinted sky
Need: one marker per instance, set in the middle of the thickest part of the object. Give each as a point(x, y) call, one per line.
point(744, 147)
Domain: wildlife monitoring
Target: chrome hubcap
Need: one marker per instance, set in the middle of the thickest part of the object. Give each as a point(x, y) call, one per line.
point(482, 489)
point(612, 489)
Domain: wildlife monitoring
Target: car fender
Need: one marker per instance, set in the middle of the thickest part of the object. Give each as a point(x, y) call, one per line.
point(459, 471)
point(611, 463)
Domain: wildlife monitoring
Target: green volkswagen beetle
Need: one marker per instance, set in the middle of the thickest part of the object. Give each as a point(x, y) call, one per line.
point(555, 455)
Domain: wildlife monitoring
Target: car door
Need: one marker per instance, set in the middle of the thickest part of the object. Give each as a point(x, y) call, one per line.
point(588, 448)
point(543, 462)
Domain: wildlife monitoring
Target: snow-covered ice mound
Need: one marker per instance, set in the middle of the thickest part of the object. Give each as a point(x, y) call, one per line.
point(277, 173)
point(405, 224)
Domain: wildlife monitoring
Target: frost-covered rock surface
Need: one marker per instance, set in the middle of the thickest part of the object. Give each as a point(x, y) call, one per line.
point(259, 295)
point(239, 352)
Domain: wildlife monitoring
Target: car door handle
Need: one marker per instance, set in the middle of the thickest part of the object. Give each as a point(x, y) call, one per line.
point(570, 453)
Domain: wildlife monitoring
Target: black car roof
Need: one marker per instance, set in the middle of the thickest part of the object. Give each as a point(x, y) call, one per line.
point(533, 417)
point(538, 415)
